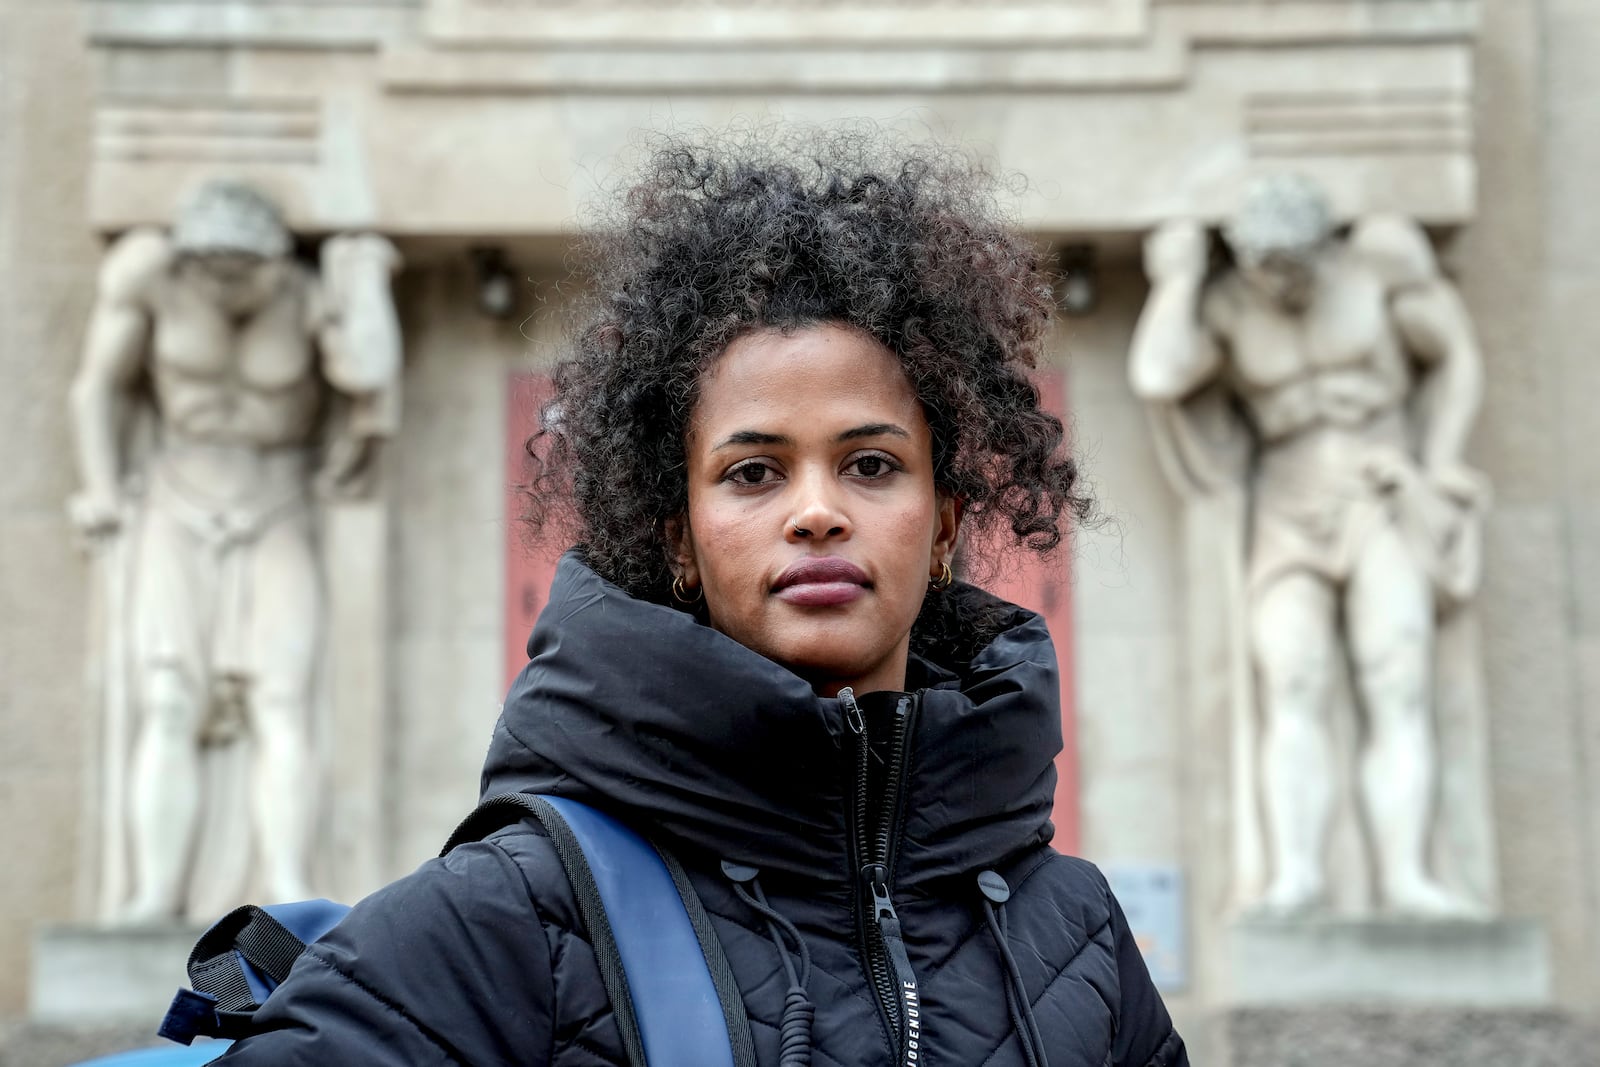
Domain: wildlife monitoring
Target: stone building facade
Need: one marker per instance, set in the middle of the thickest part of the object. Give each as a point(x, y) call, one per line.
point(451, 126)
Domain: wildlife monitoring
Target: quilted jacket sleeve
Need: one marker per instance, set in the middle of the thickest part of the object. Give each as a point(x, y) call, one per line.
point(1145, 1035)
point(415, 976)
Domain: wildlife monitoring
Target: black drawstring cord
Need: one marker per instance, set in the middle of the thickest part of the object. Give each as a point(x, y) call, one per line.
point(794, 1032)
point(995, 894)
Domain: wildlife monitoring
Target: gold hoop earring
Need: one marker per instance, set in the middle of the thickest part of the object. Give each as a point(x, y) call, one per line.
point(945, 580)
point(680, 592)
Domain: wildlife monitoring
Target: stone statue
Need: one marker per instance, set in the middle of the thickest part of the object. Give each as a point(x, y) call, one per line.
point(260, 382)
point(1353, 368)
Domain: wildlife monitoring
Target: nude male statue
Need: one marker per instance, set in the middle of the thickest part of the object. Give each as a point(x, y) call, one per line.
point(235, 344)
point(1362, 514)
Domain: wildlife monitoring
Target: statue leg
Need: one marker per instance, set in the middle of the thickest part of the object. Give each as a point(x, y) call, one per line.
point(286, 631)
point(165, 788)
point(173, 580)
point(1296, 645)
point(1389, 609)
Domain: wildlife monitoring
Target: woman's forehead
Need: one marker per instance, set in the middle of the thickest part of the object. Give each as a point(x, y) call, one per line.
point(815, 375)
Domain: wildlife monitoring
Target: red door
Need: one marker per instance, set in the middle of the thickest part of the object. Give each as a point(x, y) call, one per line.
point(529, 568)
point(1045, 587)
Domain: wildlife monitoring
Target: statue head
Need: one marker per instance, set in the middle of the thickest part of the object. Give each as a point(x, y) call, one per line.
point(233, 239)
point(1277, 235)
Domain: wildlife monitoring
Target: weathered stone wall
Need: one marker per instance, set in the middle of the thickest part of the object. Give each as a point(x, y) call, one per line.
point(1571, 304)
point(47, 263)
point(449, 535)
point(1528, 266)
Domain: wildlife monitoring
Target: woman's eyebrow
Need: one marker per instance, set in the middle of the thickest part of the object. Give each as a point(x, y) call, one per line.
point(751, 437)
point(758, 437)
point(874, 429)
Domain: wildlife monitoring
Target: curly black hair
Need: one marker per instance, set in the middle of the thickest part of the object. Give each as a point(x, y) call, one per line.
point(714, 240)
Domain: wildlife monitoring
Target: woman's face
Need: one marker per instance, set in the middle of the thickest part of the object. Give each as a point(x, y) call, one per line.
point(814, 525)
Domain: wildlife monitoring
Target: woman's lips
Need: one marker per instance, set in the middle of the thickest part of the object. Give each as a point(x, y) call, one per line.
point(820, 581)
point(820, 594)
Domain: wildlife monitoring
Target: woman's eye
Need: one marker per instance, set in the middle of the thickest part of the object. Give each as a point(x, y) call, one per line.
point(751, 474)
point(872, 466)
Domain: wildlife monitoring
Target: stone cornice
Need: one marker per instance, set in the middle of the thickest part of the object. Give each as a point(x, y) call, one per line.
point(633, 25)
point(1140, 47)
point(424, 132)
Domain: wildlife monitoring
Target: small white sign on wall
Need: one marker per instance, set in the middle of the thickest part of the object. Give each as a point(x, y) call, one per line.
point(1153, 898)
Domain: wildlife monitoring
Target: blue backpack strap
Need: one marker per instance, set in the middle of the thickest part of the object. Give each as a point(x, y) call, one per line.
point(670, 986)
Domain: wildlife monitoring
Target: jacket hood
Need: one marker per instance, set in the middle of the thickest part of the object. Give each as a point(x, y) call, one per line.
point(680, 731)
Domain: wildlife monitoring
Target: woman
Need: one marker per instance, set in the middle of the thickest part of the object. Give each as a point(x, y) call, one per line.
point(799, 385)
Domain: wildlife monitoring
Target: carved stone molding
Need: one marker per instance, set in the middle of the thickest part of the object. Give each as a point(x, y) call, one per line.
point(239, 129)
point(1369, 122)
point(958, 22)
point(1157, 63)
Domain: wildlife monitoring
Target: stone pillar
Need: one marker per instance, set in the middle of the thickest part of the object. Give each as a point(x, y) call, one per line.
point(356, 550)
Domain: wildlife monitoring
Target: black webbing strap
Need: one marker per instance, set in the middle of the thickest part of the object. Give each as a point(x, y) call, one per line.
point(744, 1048)
point(214, 966)
point(493, 814)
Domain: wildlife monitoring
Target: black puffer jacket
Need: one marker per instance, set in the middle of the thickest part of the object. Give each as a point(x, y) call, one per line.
point(479, 957)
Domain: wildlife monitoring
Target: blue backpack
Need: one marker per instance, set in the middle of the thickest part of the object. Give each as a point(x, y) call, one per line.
point(669, 984)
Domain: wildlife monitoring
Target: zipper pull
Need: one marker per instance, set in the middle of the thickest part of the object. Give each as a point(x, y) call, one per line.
point(852, 712)
point(876, 877)
point(903, 706)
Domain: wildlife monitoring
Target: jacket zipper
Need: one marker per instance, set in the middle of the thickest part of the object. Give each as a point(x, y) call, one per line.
point(876, 829)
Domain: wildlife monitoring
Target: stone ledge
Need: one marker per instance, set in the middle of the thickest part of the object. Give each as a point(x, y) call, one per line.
point(1333, 1037)
point(1492, 963)
point(96, 975)
point(41, 1045)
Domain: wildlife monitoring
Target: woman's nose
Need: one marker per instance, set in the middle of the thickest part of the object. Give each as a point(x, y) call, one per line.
point(818, 512)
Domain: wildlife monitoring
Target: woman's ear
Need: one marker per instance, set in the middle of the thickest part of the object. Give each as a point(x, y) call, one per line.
point(680, 548)
point(947, 532)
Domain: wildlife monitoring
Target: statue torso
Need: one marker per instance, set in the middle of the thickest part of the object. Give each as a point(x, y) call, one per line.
point(1338, 365)
point(222, 379)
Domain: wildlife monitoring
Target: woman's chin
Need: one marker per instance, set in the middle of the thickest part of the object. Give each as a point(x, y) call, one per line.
point(846, 644)
point(831, 658)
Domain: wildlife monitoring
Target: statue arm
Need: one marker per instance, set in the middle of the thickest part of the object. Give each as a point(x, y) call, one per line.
point(1436, 328)
point(1435, 324)
point(358, 333)
point(1173, 351)
point(113, 356)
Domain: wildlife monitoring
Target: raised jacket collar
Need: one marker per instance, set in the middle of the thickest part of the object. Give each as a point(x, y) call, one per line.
point(684, 733)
